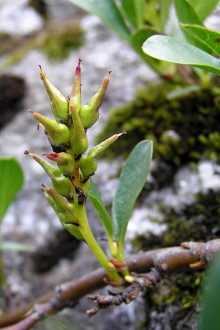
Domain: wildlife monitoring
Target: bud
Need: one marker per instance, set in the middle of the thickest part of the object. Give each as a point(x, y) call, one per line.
point(78, 138)
point(89, 113)
point(65, 211)
point(61, 184)
point(65, 162)
point(58, 133)
point(75, 96)
point(58, 102)
point(88, 164)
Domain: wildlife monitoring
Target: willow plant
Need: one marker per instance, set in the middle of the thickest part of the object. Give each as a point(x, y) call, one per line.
point(74, 166)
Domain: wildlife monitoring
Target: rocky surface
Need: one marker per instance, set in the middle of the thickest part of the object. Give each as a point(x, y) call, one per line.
point(29, 219)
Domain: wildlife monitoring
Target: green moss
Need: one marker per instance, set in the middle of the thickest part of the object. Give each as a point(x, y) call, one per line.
point(184, 129)
point(55, 41)
point(182, 291)
point(196, 222)
point(58, 43)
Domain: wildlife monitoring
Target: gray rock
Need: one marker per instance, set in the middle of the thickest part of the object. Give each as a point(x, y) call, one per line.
point(17, 19)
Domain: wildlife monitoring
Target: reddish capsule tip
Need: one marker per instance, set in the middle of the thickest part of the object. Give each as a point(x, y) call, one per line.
point(78, 71)
point(78, 68)
point(42, 73)
point(51, 156)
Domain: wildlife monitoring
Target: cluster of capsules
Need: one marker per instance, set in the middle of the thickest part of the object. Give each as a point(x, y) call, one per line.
point(67, 136)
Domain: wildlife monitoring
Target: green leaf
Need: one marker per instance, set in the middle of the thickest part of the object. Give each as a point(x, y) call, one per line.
point(187, 15)
point(134, 10)
point(137, 40)
point(18, 247)
point(174, 50)
point(11, 181)
point(100, 209)
point(108, 12)
point(164, 13)
point(203, 8)
point(210, 316)
point(208, 37)
point(131, 182)
point(183, 91)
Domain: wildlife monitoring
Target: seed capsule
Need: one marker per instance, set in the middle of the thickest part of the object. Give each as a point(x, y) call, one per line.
point(97, 150)
point(65, 162)
point(65, 211)
point(61, 184)
point(58, 133)
point(58, 102)
point(75, 96)
point(88, 164)
point(78, 138)
point(89, 113)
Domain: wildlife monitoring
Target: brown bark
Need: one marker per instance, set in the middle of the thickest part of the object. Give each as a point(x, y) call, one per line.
point(154, 264)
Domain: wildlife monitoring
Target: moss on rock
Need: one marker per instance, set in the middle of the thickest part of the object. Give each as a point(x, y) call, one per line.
point(182, 293)
point(184, 129)
point(59, 42)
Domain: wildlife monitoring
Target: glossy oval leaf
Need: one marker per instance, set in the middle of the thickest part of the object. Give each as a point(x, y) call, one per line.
point(11, 181)
point(203, 8)
point(210, 316)
point(108, 12)
point(209, 37)
point(131, 182)
point(175, 51)
point(134, 10)
point(100, 209)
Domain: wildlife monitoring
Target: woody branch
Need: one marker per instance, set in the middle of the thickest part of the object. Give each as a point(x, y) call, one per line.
point(154, 264)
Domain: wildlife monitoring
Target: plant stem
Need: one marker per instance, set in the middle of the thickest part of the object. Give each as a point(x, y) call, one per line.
point(94, 245)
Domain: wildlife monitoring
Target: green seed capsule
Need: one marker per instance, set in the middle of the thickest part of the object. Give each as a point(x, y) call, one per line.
point(65, 211)
point(65, 162)
point(89, 113)
point(88, 164)
point(61, 184)
point(75, 95)
point(78, 138)
point(58, 133)
point(58, 102)
point(97, 150)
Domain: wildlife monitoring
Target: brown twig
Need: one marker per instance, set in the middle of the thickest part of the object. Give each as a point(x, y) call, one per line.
point(126, 295)
point(162, 262)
